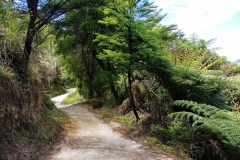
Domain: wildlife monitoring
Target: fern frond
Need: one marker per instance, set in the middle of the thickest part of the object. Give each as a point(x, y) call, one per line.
point(212, 64)
point(202, 109)
point(213, 72)
point(211, 41)
point(184, 115)
point(224, 124)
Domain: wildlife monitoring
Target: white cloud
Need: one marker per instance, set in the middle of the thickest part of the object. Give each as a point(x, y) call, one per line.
point(200, 15)
point(230, 46)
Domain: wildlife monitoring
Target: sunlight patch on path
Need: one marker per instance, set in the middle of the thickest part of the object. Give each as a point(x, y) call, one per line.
point(57, 100)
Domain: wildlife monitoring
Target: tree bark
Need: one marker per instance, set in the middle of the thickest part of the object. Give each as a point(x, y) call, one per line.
point(31, 32)
point(111, 83)
point(90, 92)
point(113, 89)
point(131, 96)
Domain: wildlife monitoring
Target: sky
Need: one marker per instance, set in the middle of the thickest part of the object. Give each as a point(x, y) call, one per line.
point(208, 19)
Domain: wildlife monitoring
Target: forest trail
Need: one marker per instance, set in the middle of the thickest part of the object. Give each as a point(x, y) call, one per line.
point(90, 138)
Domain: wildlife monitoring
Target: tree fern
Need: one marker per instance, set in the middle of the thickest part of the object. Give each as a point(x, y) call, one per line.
point(195, 52)
point(224, 124)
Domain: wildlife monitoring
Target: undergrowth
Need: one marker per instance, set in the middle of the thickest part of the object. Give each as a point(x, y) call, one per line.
point(153, 141)
point(32, 138)
point(125, 120)
point(107, 112)
point(172, 139)
point(71, 98)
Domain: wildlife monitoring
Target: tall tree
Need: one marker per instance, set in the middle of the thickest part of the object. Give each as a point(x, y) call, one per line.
point(82, 25)
point(40, 14)
point(134, 37)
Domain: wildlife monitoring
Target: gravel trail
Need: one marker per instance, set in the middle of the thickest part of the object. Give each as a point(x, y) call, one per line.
point(92, 139)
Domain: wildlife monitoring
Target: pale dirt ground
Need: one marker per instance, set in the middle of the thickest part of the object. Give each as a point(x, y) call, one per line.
point(90, 138)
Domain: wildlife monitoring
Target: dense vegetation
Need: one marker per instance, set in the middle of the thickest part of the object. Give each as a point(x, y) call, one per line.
point(118, 51)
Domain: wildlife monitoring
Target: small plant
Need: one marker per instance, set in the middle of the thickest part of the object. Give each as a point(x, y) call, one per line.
point(71, 98)
point(125, 120)
point(180, 132)
point(57, 115)
point(153, 141)
point(160, 132)
point(107, 112)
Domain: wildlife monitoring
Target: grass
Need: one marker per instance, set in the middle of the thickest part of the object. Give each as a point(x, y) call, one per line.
point(125, 120)
point(71, 98)
point(178, 150)
point(107, 113)
point(48, 127)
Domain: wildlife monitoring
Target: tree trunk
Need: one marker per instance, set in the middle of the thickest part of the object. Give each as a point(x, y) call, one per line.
point(130, 50)
point(131, 96)
point(114, 92)
point(90, 91)
point(108, 68)
point(23, 69)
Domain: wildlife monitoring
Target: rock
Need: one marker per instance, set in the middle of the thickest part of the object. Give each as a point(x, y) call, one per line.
point(125, 107)
point(96, 103)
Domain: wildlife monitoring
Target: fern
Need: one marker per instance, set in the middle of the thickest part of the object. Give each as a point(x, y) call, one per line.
point(224, 124)
point(190, 84)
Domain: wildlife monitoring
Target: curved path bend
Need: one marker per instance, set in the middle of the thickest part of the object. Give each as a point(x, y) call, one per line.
point(91, 139)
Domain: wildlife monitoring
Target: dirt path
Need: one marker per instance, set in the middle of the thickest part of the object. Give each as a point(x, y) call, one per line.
point(92, 139)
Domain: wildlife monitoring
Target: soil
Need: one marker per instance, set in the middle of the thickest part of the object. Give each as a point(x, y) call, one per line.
point(89, 138)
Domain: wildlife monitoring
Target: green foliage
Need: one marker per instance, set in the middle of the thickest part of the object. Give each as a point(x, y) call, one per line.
point(71, 98)
point(50, 111)
point(201, 87)
point(79, 51)
point(194, 52)
point(134, 38)
point(125, 120)
point(47, 102)
point(6, 71)
point(224, 125)
point(139, 30)
point(155, 142)
point(56, 114)
point(176, 150)
point(180, 133)
point(160, 132)
point(237, 69)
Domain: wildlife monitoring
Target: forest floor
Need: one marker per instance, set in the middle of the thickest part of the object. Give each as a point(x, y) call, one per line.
point(88, 137)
